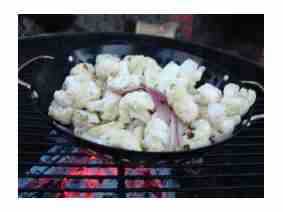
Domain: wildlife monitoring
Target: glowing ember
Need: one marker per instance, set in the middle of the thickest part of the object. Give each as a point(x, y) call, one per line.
point(75, 177)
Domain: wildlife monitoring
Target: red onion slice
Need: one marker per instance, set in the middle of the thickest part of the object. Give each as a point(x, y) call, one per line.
point(163, 112)
point(157, 96)
point(172, 131)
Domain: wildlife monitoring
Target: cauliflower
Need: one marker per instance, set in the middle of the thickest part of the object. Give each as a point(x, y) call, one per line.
point(201, 135)
point(85, 69)
point(156, 136)
point(107, 65)
point(183, 104)
point(108, 106)
point(63, 98)
point(137, 128)
point(131, 118)
point(82, 118)
point(97, 131)
point(223, 125)
point(224, 129)
point(237, 101)
point(137, 64)
point(189, 74)
point(59, 113)
point(122, 139)
point(124, 81)
point(82, 91)
point(136, 105)
point(207, 94)
point(168, 77)
point(215, 113)
point(151, 77)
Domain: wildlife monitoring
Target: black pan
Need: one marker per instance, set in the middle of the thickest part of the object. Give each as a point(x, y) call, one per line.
point(64, 51)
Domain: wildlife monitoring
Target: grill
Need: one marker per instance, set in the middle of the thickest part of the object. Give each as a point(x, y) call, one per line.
point(51, 166)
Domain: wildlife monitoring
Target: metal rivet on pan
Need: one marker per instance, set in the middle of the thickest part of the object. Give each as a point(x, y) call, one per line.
point(226, 77)
point(34, 95)
point(71, 58)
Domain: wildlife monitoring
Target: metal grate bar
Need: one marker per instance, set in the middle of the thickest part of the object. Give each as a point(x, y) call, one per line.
point(136, 165)
point(127, 190)
point(139, 177)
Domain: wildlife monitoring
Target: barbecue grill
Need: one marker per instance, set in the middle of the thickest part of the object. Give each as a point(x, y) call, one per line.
point(52, 166)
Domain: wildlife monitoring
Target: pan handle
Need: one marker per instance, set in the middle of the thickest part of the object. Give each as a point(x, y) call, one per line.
point(28, 62)
point(256, 116)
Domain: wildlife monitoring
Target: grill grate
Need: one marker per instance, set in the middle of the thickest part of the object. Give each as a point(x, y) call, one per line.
point(235, 170)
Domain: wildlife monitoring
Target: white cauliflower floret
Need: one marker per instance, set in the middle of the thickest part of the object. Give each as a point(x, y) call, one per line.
point(137, 128)
point(183, 104)
point(201, 135)
point(59, 113)
point(151, 77)
point(83, 91)
point(237, 101)
point(107, 65)
point(84, 119)
point(215, 113)
point(224, 129)
point(223, 126)
point(124, 81)
point(122, 139)
point(108, 106)
point(137, 64)
point(189, 74)
point(156, 136)
point(97, 131)
point(168, 77)
point(208, 94)
point(139, 133)
point(63, 98)
point(136, 105)
point(85, 69)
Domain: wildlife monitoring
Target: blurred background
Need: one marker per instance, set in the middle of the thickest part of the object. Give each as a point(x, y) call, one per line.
point(241, 35)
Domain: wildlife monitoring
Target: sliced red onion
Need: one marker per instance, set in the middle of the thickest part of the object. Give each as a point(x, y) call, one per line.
point(157, 96)
point(172, 130)
point(127, 90)
point(163, 112)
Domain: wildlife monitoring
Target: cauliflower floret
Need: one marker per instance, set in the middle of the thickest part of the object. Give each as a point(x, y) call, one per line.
point(139, 133)
point(223, 126)
point(215, 113)
point(59, 113)
point(85, 69)
point(124, 81)
point(201, 135)
point(108, 106)
point(168, 77)
point(151, 77)
point(208, 94)
point(156, 136)
point(189, 74)
point(137, 128)
point(107, 65)
point(63, 98)
point(137, 64)
point(84, 119)
point(97, 131)
point(122, 139)
point(224, 129)
point(136, 105)
point(237, 101)
point(83, 91)
point(183, 104)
